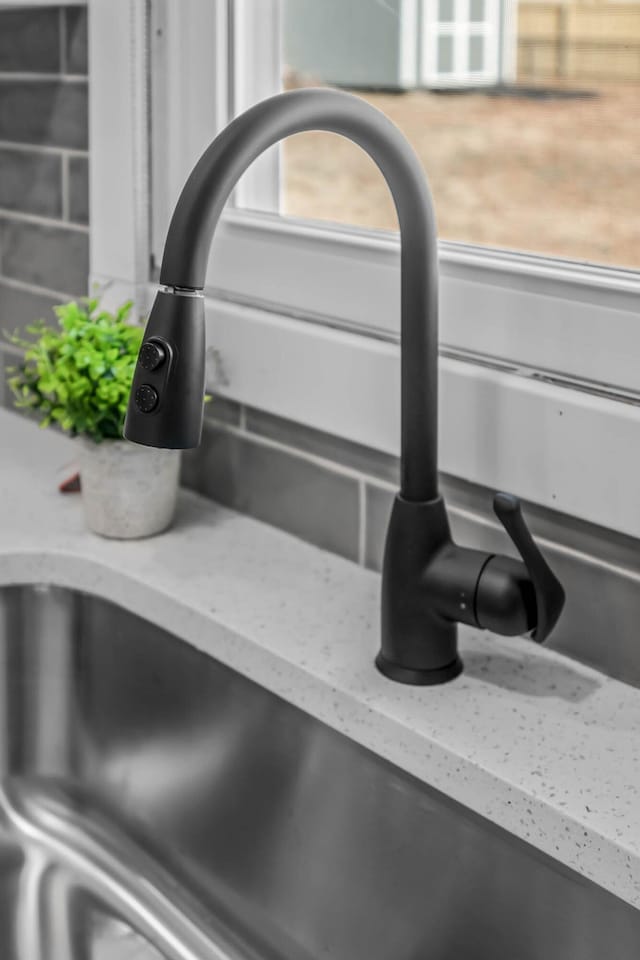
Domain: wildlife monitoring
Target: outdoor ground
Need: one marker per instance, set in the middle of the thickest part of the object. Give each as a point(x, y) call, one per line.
point(556, 176)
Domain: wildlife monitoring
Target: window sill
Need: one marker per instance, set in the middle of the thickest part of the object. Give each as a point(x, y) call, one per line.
point(563, 448)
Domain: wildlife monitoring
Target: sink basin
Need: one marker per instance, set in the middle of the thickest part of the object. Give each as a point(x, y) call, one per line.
point(154, 803)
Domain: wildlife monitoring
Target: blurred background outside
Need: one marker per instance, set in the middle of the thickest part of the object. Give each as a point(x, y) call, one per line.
point(526, 116)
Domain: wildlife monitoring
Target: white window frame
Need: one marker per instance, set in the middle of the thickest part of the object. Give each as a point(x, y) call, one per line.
point(305, 317)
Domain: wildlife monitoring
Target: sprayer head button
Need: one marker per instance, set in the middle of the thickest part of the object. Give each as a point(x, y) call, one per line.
point(152, 355)
point(146, 398)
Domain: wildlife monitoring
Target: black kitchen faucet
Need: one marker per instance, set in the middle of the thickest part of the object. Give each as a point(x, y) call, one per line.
point(429, 583)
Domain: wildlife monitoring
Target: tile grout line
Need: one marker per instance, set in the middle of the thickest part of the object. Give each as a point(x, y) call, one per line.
point(382, 484)
point(62, 39)
point(363, 480)
point(362, 521)
point(9, 349)
point(385, 460)
point(64, 187)
point(243, 434)
point(25, 287)
point(20, 217)
point(42, 148)
point(16, 77)
point(331, 466)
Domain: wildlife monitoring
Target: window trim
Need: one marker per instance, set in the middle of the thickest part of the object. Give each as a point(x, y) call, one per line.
point(500, 355)
point(260, 46)
point(570, 450)
point(119, 175)
point(354, 284)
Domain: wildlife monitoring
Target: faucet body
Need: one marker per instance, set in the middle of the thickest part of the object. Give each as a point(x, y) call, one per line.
point(429, 583)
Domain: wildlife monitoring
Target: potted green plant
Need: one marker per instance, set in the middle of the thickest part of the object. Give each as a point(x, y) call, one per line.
point(77, 375)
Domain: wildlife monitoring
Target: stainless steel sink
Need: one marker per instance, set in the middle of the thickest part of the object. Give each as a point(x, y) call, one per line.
point(154, 803)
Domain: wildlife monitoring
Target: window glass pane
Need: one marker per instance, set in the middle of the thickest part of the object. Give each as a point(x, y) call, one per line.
point(445, 54)
point(476, 53)
point(545, 158)
point(445, 11)
point(476, 11)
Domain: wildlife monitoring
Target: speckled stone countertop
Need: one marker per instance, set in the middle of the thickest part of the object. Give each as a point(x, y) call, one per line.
point(545, 747)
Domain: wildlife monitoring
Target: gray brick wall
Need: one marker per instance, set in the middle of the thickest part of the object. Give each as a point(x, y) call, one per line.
point(44, 164)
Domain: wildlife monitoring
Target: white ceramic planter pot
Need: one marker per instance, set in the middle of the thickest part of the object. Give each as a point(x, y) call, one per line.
point(128, 490)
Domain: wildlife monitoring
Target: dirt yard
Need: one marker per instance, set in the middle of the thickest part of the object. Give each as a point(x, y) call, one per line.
point(558, 176)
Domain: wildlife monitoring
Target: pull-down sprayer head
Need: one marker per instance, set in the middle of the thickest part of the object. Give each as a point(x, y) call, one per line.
point(166, 399)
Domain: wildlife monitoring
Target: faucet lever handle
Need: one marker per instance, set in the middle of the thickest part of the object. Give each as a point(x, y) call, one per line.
point(549, 592)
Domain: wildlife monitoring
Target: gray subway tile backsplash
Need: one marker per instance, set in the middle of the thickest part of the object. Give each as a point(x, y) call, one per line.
point(35, 256)
point(223, 411)
point(30, 40)
point(377, 507)
point(76, 41)
point(352, 455)
point(79, 189)
point(6, 360)
point(42, 116)
point(288, 491)
point(31, 182)
point(44, 255)
point(19, 308)
point(9, 360)
point(599, 624)
point(238, 469)
point(44, 112)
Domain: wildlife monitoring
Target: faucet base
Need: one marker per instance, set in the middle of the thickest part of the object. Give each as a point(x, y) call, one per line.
point(418, 641)
point(418, 678)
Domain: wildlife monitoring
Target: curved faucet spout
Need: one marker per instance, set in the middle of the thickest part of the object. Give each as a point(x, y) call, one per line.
point(429, 584)
point(226, 159)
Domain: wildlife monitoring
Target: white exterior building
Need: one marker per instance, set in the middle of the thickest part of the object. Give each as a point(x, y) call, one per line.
point(402, 44)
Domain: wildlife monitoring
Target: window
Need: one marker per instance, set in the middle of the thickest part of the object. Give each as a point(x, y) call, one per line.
point(512, 164)
point(306, 312)
point(495, 301)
